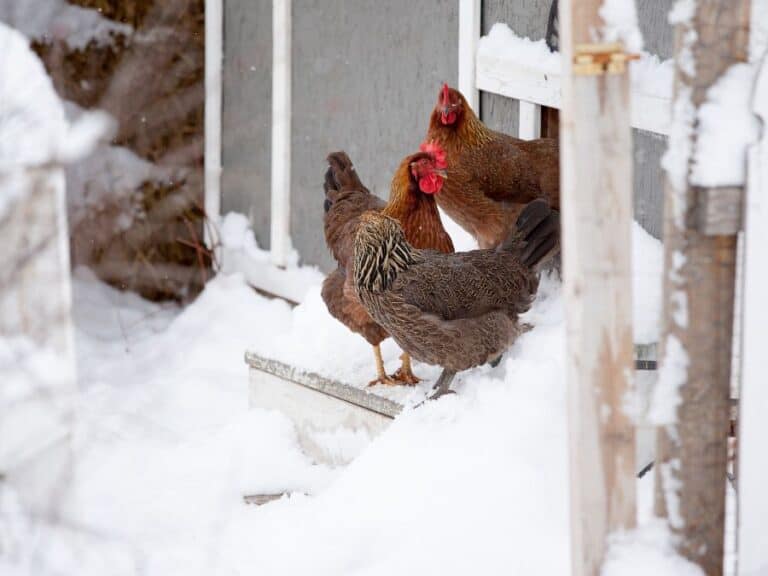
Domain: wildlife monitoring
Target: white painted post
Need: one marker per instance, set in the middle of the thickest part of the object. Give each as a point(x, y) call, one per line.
point(530, 121)
point(214, 51)
point(469, 35)
point(753, 427)
point(280, 239)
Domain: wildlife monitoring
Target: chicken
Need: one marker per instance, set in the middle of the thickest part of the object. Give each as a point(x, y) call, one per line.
point(491, 176)
point(412, 202)
point(455, 310)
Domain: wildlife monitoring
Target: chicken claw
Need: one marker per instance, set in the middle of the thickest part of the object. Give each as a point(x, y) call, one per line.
point(404, 375)
point(384, 381)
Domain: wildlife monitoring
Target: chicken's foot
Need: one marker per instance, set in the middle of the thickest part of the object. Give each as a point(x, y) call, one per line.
point(404, 375)
point(442, 386)
point(381, 373)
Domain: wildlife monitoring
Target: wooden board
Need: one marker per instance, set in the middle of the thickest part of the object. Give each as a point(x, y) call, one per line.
point(317, 405)
point(596, 180)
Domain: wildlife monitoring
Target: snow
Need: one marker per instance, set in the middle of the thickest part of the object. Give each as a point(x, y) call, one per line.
point(501, 42)
point(240, 252)
point(649, 74)
point(726, 128)
point(32, 121)
point(620, 18)
point(60, 20)
point(647, 550)
point(672, 375)
point(647, 264)
point(164, 447)
point(33, 126)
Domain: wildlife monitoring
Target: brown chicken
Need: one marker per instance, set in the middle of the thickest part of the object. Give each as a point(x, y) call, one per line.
point(491, 176)
point(455, 310)
point(412, 202)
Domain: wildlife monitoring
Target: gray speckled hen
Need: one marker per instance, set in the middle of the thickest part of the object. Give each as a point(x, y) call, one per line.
point(455, 310)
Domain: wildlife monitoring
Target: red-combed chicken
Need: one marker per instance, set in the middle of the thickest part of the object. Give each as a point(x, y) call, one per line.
point(412, 202)
point(455, 310)
point(491, 176)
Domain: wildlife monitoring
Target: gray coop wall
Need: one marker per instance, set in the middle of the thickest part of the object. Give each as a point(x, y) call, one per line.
point(529, 18)
point(247, 112)
point(365, 76)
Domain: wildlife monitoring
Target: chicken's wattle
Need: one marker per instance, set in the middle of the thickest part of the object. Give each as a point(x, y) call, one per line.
point(448, 118)
point(430, 184)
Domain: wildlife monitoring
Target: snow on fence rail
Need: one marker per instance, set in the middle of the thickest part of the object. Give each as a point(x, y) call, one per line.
point(527, 71)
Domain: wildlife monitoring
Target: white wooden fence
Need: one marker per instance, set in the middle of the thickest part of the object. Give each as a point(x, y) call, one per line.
point(534, 87)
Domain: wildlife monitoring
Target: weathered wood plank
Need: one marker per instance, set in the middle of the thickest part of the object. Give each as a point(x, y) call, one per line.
point(698, 309)
point(718, 210)
point(596, 172)
point(319, 407)
point(326, 386)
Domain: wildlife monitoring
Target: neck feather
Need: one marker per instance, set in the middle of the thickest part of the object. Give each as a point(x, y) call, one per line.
point(379, 261)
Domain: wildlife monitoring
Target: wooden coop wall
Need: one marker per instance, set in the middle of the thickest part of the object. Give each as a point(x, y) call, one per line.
point(529, 18)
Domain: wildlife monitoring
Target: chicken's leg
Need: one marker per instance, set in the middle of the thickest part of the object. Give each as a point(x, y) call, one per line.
point(404, 374)
point(382, 375)
point(442, 386)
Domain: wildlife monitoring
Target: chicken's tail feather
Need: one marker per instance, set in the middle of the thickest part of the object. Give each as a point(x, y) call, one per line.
point(341, 175)
point(536, 235)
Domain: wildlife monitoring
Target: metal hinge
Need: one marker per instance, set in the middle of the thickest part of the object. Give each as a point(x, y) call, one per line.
point(598, 59)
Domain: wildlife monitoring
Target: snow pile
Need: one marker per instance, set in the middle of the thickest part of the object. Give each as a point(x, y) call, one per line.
point(240, 252)
point(164, 448)
point(58, 20)
point(649, 74)
point(475, 484)
point(32, 121)
point(620, 18)
point(33, 126)
point(647, 550)
point(503, 44)
point(727, 127)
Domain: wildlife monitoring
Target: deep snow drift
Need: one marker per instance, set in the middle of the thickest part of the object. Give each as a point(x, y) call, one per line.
point(165, 448)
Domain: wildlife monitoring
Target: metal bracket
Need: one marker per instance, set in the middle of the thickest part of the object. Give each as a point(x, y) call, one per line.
point(599, 59)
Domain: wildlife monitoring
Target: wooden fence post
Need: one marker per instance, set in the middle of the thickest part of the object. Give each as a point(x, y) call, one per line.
point(597, 215)
point(698, 301)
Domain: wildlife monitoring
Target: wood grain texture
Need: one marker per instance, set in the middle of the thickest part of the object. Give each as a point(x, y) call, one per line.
point(700, 273)
point(596, 168)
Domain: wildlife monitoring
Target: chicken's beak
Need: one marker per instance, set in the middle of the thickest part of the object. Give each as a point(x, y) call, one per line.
point(442, 172)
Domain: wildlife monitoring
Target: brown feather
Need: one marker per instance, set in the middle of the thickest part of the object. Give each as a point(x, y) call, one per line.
point(456, 310)
point(347, 200)
point(491, 175)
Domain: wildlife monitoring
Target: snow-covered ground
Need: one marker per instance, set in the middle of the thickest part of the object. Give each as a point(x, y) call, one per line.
point(165, 447)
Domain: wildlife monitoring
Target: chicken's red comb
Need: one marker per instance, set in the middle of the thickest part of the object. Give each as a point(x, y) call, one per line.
point(445, 92)
point(434, 149)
